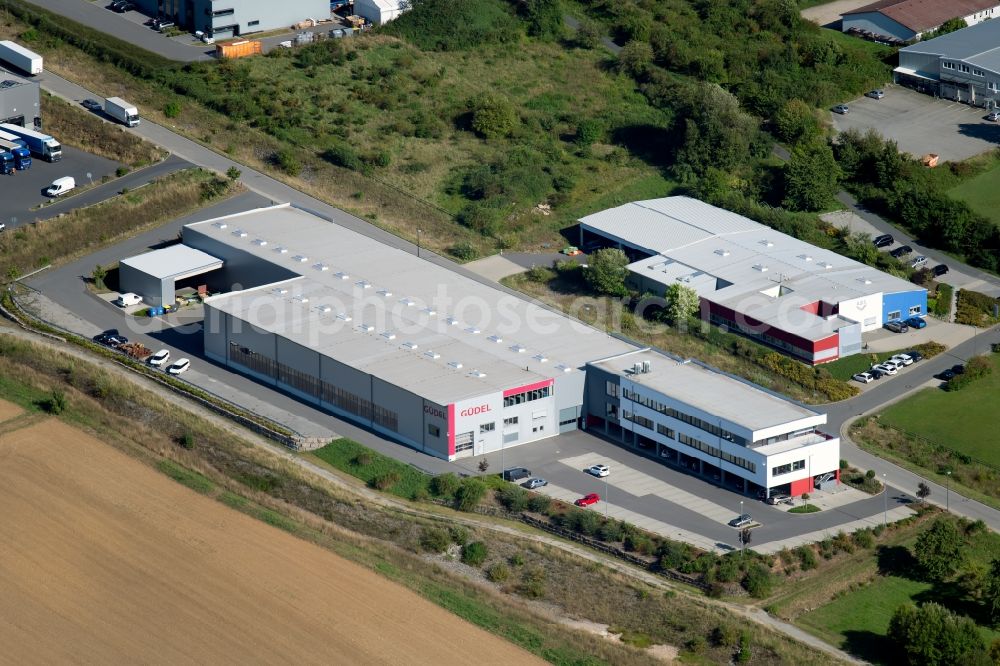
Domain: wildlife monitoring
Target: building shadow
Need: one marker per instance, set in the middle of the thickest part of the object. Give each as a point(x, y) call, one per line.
point(984, 131)
point(868, 645)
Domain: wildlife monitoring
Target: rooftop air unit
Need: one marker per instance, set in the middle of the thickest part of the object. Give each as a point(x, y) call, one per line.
point(281, 250)
point(240, 233)
point(646, 367)
point(541, 358)
point(389, 335)
point(219, 225)
point(364, 284)
point(431, 354)
point(385, 292)
point(321, 267)
point(518, 349)
point(455, 364)
point(341, 275)
point(410, 345)
point(476, 373)
point(367, 328)
point(260, 242)
point(472, 330)
point(301, 258)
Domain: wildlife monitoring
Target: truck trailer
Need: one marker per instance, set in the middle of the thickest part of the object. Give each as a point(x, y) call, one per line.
point(17, 56)
point(38, 143)
point(21, 155)
point(121, 111)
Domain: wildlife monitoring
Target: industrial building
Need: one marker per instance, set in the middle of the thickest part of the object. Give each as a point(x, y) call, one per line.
point(722, 427)
point(155, 275)
point(963, 65)
point(907, 20)
point(224, 19)
point(19, 100)
point(380, 11)
point(810, 303)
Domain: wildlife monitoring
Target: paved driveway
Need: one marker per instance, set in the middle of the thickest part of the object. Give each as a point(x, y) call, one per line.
point(921, 124)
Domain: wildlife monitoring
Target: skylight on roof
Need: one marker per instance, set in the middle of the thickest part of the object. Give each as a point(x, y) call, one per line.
point(476, 373)
point(281, 250)
point(388, 335)
point(766, 243)
point(472, 330)
point(495, 338)
point(455, 364)
point(519, 349)
point(220, 225)
point(431, 354)
point(321, 267)
point(541, 358)
point(364, 284)
point(260, 242)
point(367, 328)
point(385, 292)
point(301, 258)
point(410, 345)
point(240, 233)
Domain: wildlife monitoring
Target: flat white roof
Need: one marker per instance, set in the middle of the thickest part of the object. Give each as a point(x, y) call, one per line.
point(741, 264)
point(433, 331)
point(711, 391)
point(173, 261)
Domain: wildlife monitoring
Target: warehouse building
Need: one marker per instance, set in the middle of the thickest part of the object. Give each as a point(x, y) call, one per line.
point(722, 427)
point(906, 20)
point(810, 303)
point(155, 275)
point(19, 100)
point(380, 12)
point(224, 19)
point(963, 65)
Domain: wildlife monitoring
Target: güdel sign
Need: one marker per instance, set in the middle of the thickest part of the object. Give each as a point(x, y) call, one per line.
point(433, 411)
point(472, 411)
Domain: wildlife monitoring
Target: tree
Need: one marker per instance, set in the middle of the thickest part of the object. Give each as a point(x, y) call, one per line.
point(635, 58)
point(931, 635)
point(484, 465)
point(951, 25)
point(812, 177)
point(923, 491)
point(233, 173)
point(682, 302)
point(606, 272)
point(938, 550)
point(493, 116)
point(796, 122)
point(589, 35)
point(992, 592)
point(860, 247)
point(544, 17)
point(98, 275)
point(469, 494)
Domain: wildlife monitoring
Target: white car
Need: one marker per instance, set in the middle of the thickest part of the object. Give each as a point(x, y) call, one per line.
point(918, 261)
point(159, 358)
point(863, 377)
point(886, 368)
point(179, 366)
point(904, 359)
point(894, 363)
point(599, 470)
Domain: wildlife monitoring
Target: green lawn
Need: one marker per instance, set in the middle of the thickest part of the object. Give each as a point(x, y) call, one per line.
point(369, 466)
point(845, 368)
point(982, 193)
point(964, 420)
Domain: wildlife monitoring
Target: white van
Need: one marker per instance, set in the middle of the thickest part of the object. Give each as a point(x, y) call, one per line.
point(125, 300)
point(60, 186)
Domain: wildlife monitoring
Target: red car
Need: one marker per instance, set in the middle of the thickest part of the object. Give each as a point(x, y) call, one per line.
point(587, 500)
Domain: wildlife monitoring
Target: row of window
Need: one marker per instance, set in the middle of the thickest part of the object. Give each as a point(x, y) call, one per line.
point(487, 427)
point(510, 421)
point(716, 453)
point(790, 467)
point(657, 406)
point(527, 396)
point(753, 333)
point(897, 314)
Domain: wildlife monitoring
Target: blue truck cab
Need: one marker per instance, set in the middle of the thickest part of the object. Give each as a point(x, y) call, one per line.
point(6, 162)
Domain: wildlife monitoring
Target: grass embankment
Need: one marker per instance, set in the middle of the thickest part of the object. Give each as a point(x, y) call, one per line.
point(83, 230)
point(77, 127)
point(400, 545)
point(980, 191)
point(376, 470)
point(845, 368)
point(398, 118)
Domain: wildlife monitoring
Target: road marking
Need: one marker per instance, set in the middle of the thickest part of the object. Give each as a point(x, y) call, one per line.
point(640, 484)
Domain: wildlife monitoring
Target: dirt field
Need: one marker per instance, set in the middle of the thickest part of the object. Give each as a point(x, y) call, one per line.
point(829, 14)
point(8, 410)
point(104, 560)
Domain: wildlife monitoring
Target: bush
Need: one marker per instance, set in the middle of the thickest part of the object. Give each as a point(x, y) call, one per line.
point(757, 581)
point(513, 498)
point(444, 485)
point(55, 404)
point(187, 441)
point(232, 173)
point(459, 534)
point(343, 155)
point(172, 109)
point(385, 481)
point(121, 171)
point(539, 503)
point(864, 538)
point(434, 540)
point(286, 160)
point(464, 251)
point(493, 116)
point(807, 557)
point(474, 554)
point(498, 572)
point(363, 459)
point(469, 494)
point(976, 368)
point(744, 653)
point(533, 583)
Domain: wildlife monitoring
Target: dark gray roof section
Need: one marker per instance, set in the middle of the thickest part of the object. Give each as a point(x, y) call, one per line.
point(977, 45)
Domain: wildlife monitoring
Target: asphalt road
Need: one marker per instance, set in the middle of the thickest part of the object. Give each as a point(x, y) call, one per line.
point(22, 191)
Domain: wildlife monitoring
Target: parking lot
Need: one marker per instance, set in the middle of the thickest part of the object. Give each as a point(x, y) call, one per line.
point(921, 124)
point(22, 191)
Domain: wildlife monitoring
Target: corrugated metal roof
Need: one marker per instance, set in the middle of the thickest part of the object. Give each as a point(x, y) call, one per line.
point(978, 45)
point(173, 260)
point(393, 291)
point(923, 15)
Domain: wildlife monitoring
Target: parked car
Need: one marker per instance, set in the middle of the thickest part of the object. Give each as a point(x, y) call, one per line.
point(876, 373)
point(885, 240)
point(122, 7)
point(159, 358)
point(897, 326)
point(842, 109)
point(958, 369)
point(179, 366)
point(531, 484)
point(878, 93)
point(127, 299)
point(588, 499)
point(885, 369)
point(916, 322)
point(993, 115)
point(918, 261)
point(901, 251)
point(91, 105)
point(516, 473)
point(102, 337)
point(162, 26)
point(893, 363)
point(863, 377)
point(778, 498)
point(599, 470)
point(902, 358)
point(946, 375)
point(60, 186)
point(915, 355)
point(741, 521)
point(939, 270)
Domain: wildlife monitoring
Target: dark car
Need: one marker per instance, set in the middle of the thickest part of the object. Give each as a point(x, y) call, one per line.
point(901, 251)
point(939, 270)
point(958, 369)
point(103, 337)
point(896, 326)
point(122, 7)
point(885, 240)
point(516, 474)
point(946, 375)
point(916, 322)
point(91, 105)
point(915, 355)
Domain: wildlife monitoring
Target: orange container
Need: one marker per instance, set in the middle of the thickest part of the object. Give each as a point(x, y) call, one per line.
point(240, 49)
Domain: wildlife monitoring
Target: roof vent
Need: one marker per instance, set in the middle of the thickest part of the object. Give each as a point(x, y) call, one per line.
point(300, 298)
point(260, 242)
point(722, 253)
point(519, 349)
point(281, 250)
point(389, 335)
point(343, 316)
point(472, 330)
point(761, 268)
point(541, 358)
point(367, 328)
point(324, 308)
point(280, 291)
point(364, 284)
point(432, 354)
point(341, 275)
point(455, 364)
point(430, 312)
point(240, 233)
point(385, 292)
point(766, 243)
point(301, 258)
point(219, 225)
point(452, 321)
point(805, 257)
point(825, 264)
point(864, 280)
point(564, 368)
point(476, 373)
point(495, 338)
point(410, 345)
point(408, 302)
point(321, 267)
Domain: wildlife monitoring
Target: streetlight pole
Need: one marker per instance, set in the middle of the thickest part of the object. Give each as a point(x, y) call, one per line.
point(947, 490)
point(885, 502)
point(606, 507)
point(418, 243)
point(743, 545)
